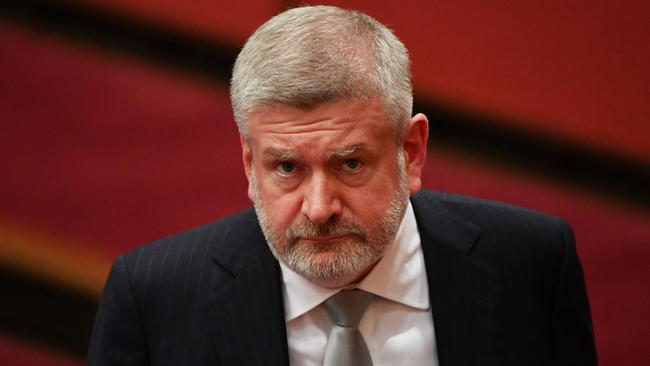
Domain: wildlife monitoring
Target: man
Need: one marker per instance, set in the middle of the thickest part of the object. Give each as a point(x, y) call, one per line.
point(322, 98)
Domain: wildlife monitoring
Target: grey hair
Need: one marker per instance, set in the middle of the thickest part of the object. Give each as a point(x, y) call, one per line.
point(311, 55)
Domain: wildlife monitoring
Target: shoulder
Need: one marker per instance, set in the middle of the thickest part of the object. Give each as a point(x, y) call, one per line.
point(182, 260)
point(486, 214)
point(192, 242)
point(505, 232)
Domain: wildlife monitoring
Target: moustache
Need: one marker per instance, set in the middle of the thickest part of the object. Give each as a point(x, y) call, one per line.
point(333, 227)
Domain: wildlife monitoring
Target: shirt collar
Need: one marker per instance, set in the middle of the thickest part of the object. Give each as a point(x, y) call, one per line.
point(399, 276)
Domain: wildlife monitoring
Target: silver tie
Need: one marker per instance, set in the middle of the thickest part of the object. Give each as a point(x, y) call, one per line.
point(345, 345)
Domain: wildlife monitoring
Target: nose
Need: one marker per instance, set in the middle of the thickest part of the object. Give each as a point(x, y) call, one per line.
point(320, 201)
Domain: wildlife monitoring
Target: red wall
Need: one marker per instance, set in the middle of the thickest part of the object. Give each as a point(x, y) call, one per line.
point(576, 70)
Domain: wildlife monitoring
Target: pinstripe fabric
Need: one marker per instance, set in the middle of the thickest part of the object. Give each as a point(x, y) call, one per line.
point(210, 296)
point(505, 284)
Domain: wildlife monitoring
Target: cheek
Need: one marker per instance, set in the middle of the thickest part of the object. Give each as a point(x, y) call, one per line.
point(366, 203)
point(281, 208)
point(369, 203)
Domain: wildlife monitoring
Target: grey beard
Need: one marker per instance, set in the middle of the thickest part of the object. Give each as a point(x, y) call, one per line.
point(360, 249)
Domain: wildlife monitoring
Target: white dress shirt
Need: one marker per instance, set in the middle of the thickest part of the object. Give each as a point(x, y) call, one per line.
point(398, 326)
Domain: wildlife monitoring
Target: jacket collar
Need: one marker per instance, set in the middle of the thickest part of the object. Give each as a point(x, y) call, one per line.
point(247, 315)
point(245, 309)
point(463, 291)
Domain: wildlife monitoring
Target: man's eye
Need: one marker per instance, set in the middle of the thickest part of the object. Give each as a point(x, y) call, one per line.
point(286, 168)
point(351, 164)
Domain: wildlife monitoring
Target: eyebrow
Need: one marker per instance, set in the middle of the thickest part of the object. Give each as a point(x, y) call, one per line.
point(340, 154)
point(281, 154)
point(346, 152)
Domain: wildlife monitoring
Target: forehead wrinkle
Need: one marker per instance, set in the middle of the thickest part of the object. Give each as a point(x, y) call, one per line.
point(295, 127)
point(300, 122)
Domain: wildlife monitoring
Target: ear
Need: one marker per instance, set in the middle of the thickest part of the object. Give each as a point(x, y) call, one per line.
point(247, 157)
point(415, 147)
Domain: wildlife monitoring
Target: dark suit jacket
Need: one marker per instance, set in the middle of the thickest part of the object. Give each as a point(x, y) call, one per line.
point(505, 283)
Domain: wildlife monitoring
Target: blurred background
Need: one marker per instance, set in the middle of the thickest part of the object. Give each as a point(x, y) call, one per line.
point(116, 129)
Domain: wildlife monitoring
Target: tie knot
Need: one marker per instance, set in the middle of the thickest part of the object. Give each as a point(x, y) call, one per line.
point(347, 307)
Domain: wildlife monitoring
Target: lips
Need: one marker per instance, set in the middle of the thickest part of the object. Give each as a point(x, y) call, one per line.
point(325, 238)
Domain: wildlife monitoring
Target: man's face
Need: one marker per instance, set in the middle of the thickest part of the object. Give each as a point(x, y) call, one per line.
point(330, 186)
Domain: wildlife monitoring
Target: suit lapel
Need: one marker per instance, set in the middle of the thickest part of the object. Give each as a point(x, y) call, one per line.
point(246, 310)
point(463, 292)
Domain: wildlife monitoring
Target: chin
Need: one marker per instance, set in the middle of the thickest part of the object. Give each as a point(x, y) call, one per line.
point(331, 265)
point(325, 270)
